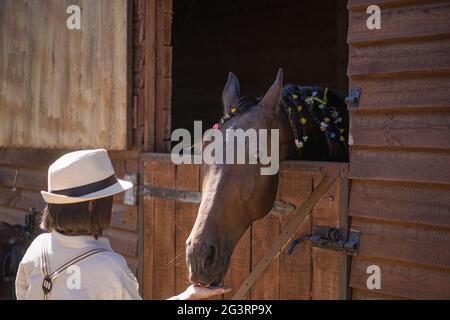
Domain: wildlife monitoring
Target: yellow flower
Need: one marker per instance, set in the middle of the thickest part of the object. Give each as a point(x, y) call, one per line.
point(233, 110)
point(294, 96)
point(341, 130)
point(341, 138)
point(299, 108)
point(303, 120)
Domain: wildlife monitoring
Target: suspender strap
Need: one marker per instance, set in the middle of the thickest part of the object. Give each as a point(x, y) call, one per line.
point(47, 283)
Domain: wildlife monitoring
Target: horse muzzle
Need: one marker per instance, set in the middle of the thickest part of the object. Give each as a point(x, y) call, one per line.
point(206, 265)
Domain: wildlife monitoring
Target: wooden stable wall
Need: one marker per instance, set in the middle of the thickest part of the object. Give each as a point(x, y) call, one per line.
point(400, 154)
point(17, 195)
point(152, 75)
point(62, 88)
point(31, 164)
point(310, 273)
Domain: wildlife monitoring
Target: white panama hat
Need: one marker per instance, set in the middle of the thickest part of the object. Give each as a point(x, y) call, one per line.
point(82, 176)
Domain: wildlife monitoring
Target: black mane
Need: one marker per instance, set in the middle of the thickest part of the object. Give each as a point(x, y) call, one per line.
point(319, 120)
point(309, 109)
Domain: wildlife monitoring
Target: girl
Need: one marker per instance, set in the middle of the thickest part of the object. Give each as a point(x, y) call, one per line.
point(74, 260)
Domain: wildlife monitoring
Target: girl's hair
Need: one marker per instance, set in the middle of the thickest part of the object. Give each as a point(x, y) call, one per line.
point(88, 217)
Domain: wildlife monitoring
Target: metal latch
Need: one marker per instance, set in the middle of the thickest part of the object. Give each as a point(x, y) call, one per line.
point(331, 238)
point(130, 196)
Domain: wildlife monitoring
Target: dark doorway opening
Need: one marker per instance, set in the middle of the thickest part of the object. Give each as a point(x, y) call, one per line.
point(252, 38)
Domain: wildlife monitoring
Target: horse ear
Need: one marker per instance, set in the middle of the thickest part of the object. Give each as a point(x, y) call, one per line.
point(272, 99)
point(231, 92)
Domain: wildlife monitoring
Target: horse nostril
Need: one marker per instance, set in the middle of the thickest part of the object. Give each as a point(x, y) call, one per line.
point(210, 256)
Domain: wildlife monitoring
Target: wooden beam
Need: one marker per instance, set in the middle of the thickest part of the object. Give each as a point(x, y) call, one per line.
point(150, 76)
point(196, 197)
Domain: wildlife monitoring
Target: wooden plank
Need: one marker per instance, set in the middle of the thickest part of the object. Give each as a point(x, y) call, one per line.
point(331, 168)
point(124, 217)
point(361, 294)
point(164, 234)
point(427, 129)
point(155, 156)
point(42, 158)
point(416, 21)
point(427, 91)
point(327, 273)
point(144, 252)
point(167, 36)
point(163, 76)
point(326, 211)
point(240, 264)
point(187, 178)
point(326, 264)
point(400, 165)
point(295, 270)
point(264, 231)
point(147, 247)
point(148, 226)
point(38, 158)
point(124, 155)
point(119, 167)
point(403, 280)
point(123, 242)
point(63, 88)
point(163, 115)
point(403, 202)
point(21, 199)
point(306, 166)
point(167, 6)
point(407, 243)
point(23, 178)
point(417, 57)
point(132, 264)
point(12, 215)
point(150, 75)
point(131, 113)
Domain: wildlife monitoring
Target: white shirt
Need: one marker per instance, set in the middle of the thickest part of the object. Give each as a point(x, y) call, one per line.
point(104, 275)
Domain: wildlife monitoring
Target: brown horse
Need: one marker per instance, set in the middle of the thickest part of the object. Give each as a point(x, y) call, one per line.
point(235, 195)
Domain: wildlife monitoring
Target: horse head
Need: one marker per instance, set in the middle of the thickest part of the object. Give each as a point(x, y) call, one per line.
point(234, 195)
point(310, 123)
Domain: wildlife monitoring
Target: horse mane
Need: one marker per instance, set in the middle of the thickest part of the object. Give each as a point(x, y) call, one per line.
point(330, 144)
point(310, 109)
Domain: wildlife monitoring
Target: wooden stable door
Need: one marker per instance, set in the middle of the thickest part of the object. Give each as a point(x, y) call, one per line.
point(170, 196)
point(61, 87)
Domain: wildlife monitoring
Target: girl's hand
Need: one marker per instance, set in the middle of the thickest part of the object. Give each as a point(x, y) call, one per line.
point(195, 292)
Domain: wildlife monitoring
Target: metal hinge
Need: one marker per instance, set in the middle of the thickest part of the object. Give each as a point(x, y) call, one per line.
point(331, 238)
point(130, 196)
point(353, 98)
